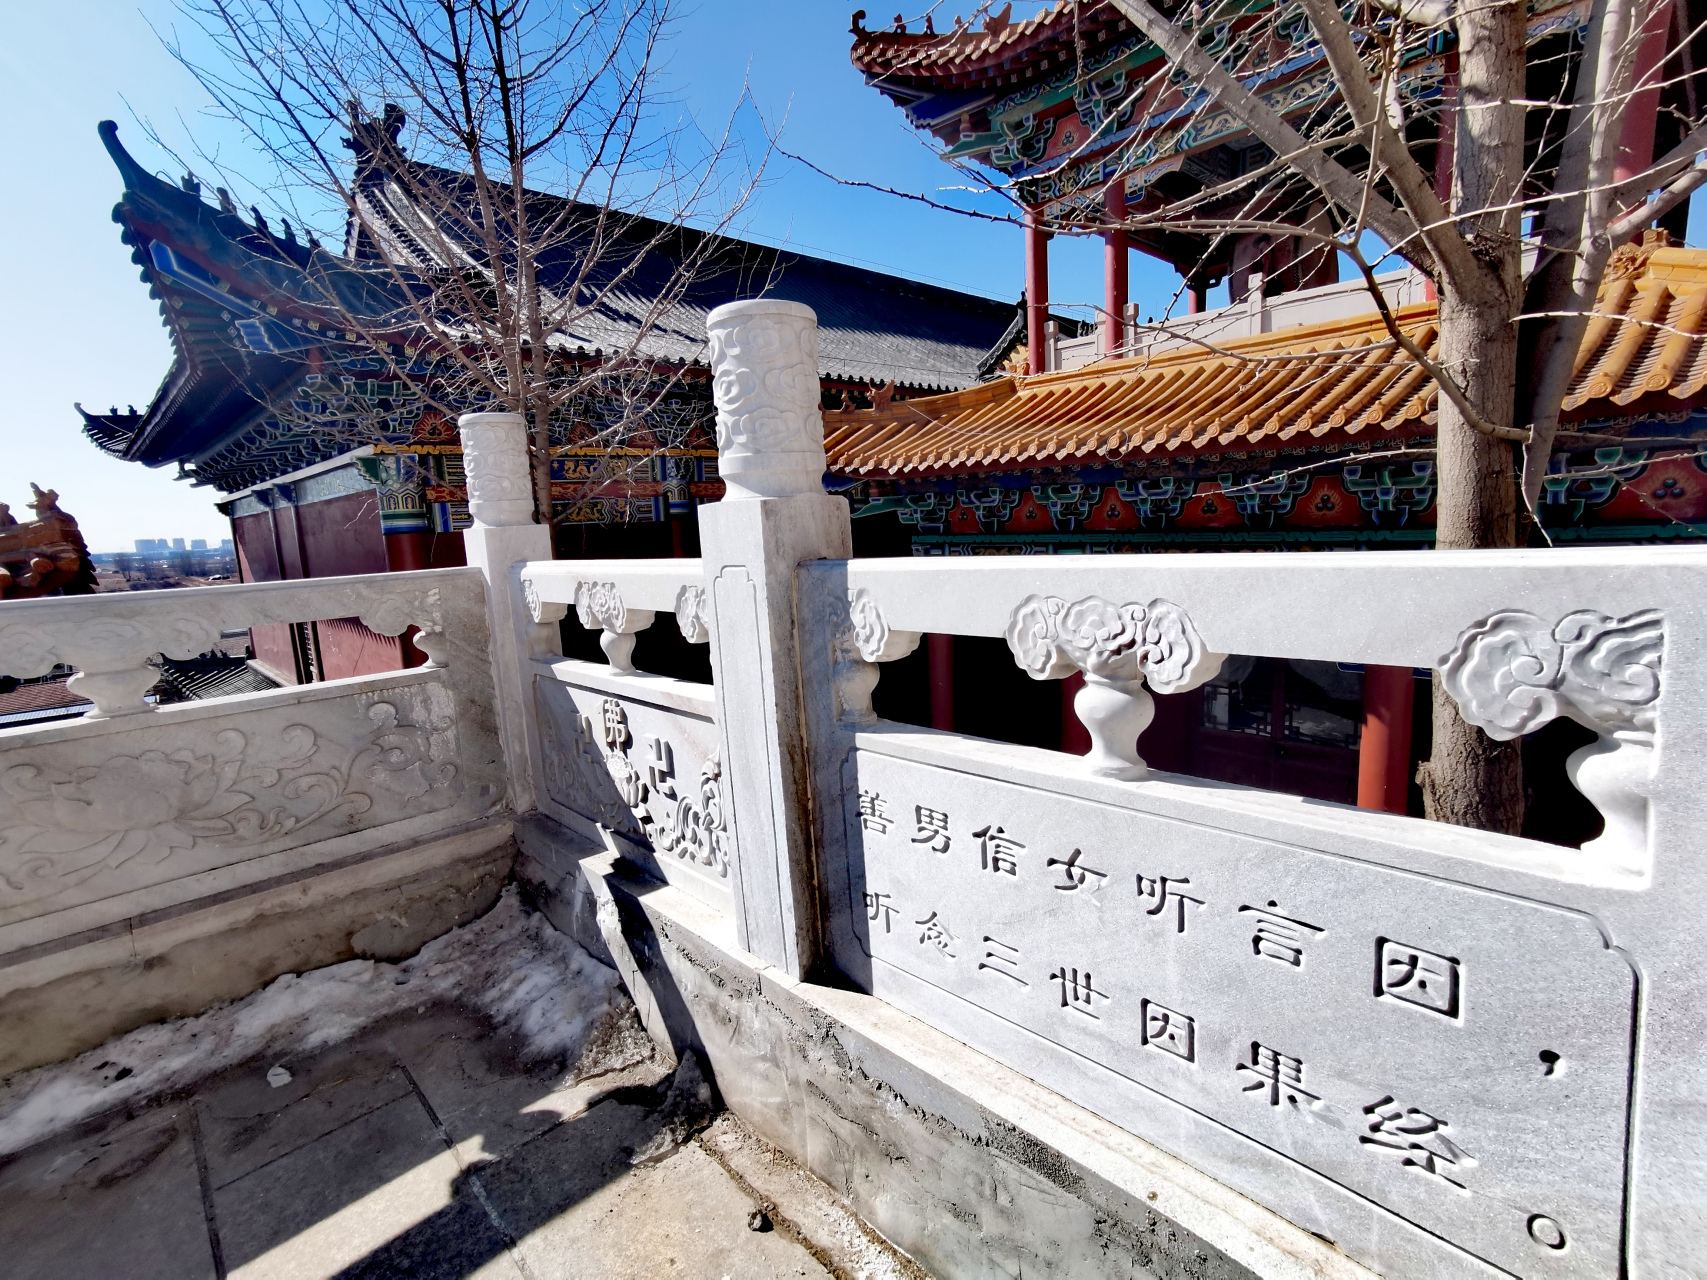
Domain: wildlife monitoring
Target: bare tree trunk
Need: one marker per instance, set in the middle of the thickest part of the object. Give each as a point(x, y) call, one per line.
point(1471, 780)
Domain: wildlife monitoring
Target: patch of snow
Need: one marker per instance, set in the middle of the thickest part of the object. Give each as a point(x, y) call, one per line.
point(533, 982)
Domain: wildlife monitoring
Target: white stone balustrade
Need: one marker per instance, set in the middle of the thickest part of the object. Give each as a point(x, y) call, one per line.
point(619, 598)
point(110, 638)
point(118, 815)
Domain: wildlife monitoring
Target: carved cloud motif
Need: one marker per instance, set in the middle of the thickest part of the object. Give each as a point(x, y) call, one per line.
point(1513, 672)
point(599, 606)
point(691, 618)
point(872, 637)
point(1051, 639)
point(765, 387)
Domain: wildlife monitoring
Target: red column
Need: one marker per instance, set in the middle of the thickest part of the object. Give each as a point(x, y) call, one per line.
point(1115, 251)
point(939, 653)
point(1384, 752)
point(1036, 286)
point(405, 551)
point(1197, 297)
point(1636, 142)
point(1075, 738)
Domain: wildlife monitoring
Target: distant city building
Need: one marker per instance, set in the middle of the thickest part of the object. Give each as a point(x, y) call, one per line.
point(198, 544)
point(178, 544)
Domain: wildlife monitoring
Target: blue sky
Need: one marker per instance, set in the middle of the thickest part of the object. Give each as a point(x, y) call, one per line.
point(82, 327)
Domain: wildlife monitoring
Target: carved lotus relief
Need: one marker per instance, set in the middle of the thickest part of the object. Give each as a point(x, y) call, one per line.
point(62, 826)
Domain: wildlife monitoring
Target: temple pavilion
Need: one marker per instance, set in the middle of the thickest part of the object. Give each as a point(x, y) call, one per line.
point(1141, 437)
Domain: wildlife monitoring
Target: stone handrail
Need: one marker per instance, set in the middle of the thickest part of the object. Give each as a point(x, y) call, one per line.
point(1520, 638)
point(619, 598)
point(110, 637)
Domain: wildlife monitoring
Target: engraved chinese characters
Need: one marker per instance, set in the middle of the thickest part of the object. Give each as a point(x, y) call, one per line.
point(1384, 1030)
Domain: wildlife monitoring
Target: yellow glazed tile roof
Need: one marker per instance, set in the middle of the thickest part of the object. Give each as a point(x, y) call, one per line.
point(1336, 382)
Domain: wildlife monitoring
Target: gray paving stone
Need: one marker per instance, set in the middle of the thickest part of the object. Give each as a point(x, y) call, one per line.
point(247, 1123)
point(329, 1207)
point(124, 1201)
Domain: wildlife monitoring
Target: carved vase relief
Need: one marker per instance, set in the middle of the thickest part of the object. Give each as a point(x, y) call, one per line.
point(599, 607)
point(60, 826)
point(1118, 647)
point(1513, 672)
point(861, 640)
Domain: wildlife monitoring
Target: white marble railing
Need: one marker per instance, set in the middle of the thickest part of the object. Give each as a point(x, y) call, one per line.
point(110, 638)
point(1246, 317)
point(133, 810)
point(1450, 1051)
point(618, 598)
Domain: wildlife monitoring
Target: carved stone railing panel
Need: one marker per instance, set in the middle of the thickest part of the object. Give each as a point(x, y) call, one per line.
point(619, 598)
point(103, 818)
point(109, 638)
point(1447, 1050)
point(642, 765)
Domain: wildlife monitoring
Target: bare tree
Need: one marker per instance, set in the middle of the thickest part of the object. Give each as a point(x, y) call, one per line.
point(1344, 172)
point(526, 249)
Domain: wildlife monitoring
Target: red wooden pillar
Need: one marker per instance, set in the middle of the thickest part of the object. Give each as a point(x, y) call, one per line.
point(405, 551)
point(1036, 286)
point(939, 653)
point(1197, 297)
point(1384, 750)
point(1636, 142)
point(1115, 252)
point(1075, 738)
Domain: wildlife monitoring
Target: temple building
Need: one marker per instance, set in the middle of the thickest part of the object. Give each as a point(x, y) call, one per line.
point(327, 464)
point(1286, 420)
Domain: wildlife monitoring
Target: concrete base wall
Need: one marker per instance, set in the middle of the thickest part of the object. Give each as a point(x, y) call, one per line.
point(972, 1169)
point(61, 998)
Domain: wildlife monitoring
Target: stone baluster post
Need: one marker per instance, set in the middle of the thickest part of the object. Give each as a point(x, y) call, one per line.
point(502, 538)
point(774, 516)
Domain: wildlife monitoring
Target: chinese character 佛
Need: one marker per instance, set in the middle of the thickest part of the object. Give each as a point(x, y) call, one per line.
point(873, 815)
point(997, 962)
point(998, 852)
point(1163, 890)
point(1275, 1073)
point(936, 934)
point(1279, 937)
point(1418, 1138)
point(878, 904)
point(932, 827)
point(1074, 876)
point(1076, 990)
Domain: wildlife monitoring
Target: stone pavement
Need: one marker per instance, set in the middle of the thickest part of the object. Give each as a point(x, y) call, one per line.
point(421, 1149)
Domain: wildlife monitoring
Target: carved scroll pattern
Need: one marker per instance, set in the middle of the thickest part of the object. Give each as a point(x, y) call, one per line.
point(1514, 671)
point(495, 461)
point(540, 610)
point(62, 826)
point(766, 386)
point(1118, 647)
